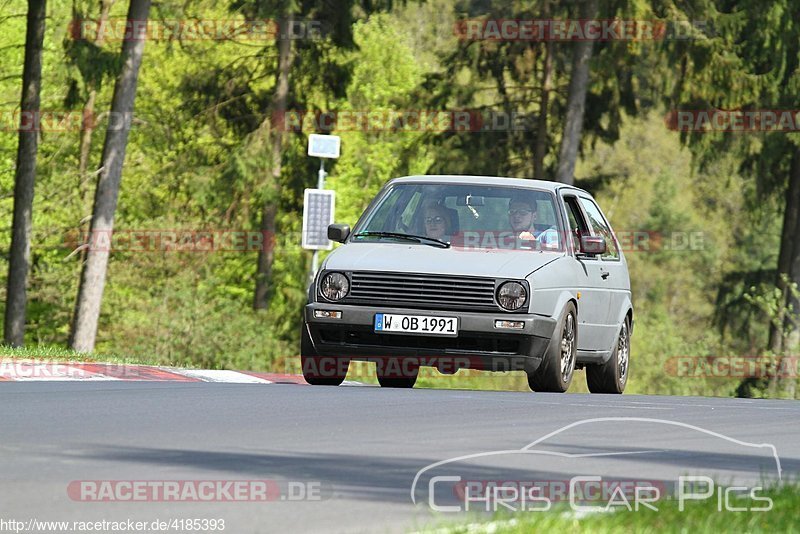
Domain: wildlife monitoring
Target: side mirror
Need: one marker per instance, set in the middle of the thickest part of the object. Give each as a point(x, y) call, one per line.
point(338, 232)
point(593, 245)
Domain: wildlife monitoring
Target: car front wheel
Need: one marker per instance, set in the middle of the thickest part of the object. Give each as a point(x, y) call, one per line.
point(558, 364)
point(612, 376)
point(320, 370)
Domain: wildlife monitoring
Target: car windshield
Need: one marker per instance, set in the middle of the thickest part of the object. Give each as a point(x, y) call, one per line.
point(464, 215)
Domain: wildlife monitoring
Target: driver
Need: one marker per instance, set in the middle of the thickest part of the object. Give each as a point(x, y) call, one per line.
point(522, 213)
point(437, 222)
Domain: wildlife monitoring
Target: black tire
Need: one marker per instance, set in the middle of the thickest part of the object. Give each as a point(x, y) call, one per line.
point(612, 376)
point(558, 364)
point(392, 373)
point(320, 370)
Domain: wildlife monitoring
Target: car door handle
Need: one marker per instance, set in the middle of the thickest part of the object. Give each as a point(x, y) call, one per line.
point(604, 274)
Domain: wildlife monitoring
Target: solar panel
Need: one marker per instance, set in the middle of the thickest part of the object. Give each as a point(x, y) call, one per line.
point(318, 211)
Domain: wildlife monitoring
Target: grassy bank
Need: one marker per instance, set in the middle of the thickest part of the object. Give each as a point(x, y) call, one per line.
point(698, 516)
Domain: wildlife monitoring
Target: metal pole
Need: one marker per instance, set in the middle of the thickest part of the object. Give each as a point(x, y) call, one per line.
point(320, 185)
point(321, 174)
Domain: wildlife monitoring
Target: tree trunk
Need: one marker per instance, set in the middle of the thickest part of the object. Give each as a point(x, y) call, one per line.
point(540, 149)
point(25, 177)
point(87, 127)
point(88, 122)
point(576, 101)
point(791, 217)
point(93, 275)
point(786, 385)
point(270, 210)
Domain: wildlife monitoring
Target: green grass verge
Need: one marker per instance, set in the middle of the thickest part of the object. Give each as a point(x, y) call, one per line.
point(697, 517)
point(60, 354)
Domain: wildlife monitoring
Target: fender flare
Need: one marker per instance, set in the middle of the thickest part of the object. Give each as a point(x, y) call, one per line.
point(627, 309)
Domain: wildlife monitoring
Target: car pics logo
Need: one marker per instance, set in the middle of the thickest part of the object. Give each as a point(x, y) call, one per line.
point(605, 494)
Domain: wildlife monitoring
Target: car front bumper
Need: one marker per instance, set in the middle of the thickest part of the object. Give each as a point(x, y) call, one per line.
point(479, 344)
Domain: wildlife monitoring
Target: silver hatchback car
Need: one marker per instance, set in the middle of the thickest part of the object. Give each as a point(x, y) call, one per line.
point(475, 272)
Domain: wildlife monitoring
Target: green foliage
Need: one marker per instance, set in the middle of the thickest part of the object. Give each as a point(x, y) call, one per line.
point(384, 73)
point(187, 319)
point(679, 246)
point(199, 158)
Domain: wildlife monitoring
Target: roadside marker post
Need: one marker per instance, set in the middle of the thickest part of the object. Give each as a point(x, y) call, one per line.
point(319, 204)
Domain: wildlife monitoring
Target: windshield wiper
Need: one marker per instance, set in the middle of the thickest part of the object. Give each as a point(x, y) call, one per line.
point(407, 237)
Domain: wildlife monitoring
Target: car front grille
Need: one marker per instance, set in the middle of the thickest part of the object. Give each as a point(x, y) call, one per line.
point(422, 291)
point(466, 342)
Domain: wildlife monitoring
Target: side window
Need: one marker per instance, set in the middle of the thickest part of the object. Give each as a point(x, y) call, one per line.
point(545, 215)
point(577, 226)
point(600, 227)
point(380, 217)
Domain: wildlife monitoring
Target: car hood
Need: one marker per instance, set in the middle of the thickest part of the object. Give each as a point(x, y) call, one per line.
point(427, 259)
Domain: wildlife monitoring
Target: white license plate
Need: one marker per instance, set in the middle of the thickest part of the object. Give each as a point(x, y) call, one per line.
point(416, 324)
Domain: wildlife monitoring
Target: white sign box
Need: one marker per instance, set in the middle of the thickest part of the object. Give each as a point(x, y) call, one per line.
point(324, 146)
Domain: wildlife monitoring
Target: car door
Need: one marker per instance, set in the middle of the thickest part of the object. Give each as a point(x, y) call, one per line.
point(594, 300)
point(613, 270)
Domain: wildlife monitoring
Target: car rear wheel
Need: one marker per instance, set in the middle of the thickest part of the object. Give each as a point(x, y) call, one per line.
point(612, 376)
point(320, 370)
point(558, 364)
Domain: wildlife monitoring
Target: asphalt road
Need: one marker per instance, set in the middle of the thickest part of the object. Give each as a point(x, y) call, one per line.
point(355, 451)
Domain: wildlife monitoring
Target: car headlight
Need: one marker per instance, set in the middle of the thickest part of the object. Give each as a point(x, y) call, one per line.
point(334, 286)
point(512, 296)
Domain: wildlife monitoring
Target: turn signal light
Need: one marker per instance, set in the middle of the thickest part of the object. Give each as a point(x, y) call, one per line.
point(327, 314)
point(509, 324)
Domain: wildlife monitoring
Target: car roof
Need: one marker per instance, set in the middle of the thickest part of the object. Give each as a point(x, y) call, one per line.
point(486, 180)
